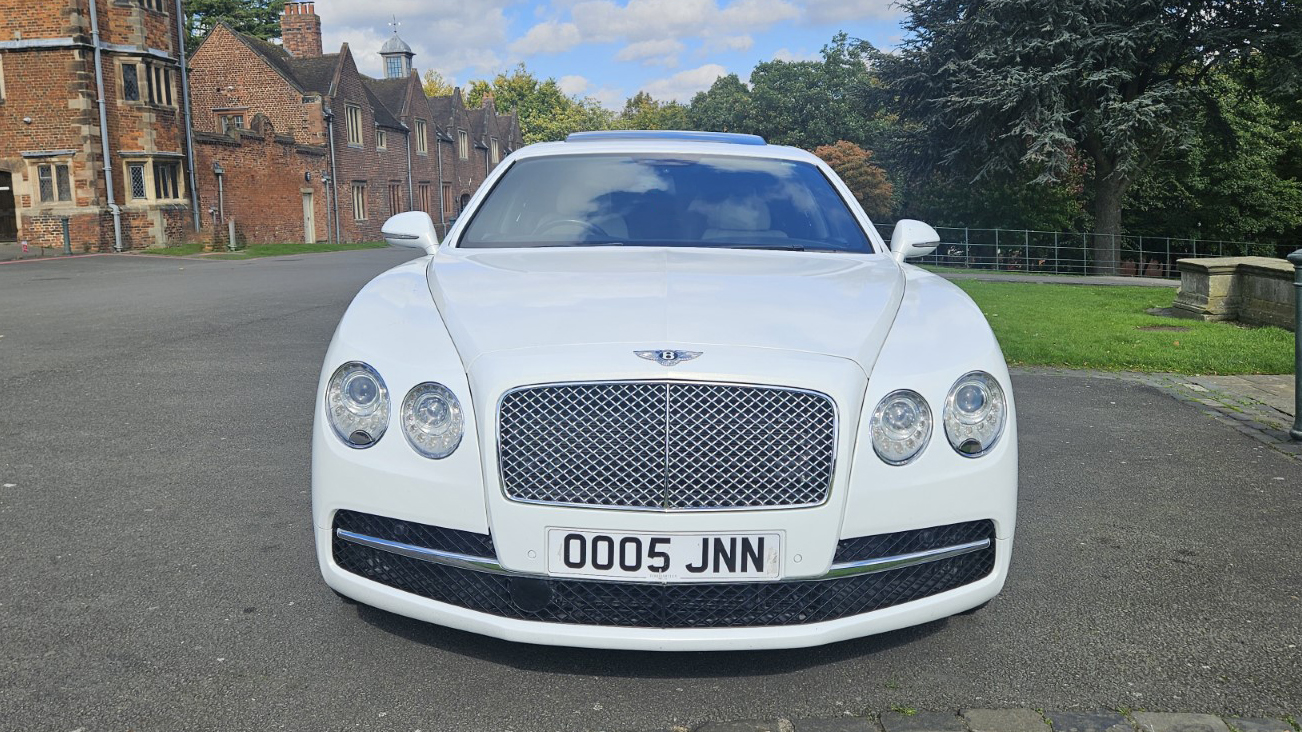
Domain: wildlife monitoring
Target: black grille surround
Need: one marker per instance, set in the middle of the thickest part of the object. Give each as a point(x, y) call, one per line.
point(638, 605)
point(666, 445)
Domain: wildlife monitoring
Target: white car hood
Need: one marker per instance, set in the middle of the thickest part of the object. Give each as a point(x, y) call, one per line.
point(652, 298)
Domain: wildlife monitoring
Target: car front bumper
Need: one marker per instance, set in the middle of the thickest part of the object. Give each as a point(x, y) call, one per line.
point(441, 576)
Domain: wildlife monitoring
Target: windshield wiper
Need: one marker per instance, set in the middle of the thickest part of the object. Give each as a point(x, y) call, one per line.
point(774, 247)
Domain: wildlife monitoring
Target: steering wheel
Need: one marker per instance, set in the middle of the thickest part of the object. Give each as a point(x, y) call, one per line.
point(587, 226)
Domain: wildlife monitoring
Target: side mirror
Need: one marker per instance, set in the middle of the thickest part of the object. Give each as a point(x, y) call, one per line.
point(913, 239)
point(413, 229)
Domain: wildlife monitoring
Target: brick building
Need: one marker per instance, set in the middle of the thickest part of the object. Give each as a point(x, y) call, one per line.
point(60, 150)
point(289, 142)
point(381, 146)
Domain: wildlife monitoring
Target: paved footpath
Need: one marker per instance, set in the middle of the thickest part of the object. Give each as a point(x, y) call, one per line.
point(1009, 720)
point(1261, 406)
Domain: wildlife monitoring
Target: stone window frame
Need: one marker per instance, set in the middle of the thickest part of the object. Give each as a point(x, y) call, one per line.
point(60, 185)
point(422, 138)
point(353, 121)
point(463, 145)
point(157, 6)
point(381, 139)
point(448, 200)
point(152, 187)
point(2, 78)
point(495, 150)
point(225, 124)
point(157, 88)
point(359, 200)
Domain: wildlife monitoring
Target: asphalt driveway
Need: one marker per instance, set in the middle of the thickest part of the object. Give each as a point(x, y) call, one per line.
point(158, 571)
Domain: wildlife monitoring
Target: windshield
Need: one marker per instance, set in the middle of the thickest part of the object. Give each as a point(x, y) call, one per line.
point(665, 201)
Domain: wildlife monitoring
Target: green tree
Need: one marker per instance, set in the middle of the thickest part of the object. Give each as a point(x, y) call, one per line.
point(642, 112)
point(724, 107)
point(435, 85)
point(867, 181)
point(546, 112)
point(812, 103)
point(1236, 180)
point(1026, 84)
point(258, 18)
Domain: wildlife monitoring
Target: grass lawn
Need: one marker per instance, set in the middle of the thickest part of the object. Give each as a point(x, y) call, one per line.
point(265, 250)
point(1096, 327)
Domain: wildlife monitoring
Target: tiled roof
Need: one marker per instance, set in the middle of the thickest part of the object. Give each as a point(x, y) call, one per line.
point(383, 117)
point(316, 73)
point(391, 92)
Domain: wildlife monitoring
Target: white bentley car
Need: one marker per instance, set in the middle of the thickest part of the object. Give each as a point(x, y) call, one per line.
point(666, 391)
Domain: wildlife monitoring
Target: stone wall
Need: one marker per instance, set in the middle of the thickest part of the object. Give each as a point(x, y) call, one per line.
point(1252, 290)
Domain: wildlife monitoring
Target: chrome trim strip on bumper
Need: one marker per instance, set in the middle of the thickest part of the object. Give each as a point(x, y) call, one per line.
point(899, 561)
point(424, 554)
point(490, 565)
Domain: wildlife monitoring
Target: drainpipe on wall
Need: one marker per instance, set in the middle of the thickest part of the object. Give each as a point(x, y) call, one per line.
point(189, 123)
point(334, 175)
point(106, 153)
point(443, 215)
point(411, 201)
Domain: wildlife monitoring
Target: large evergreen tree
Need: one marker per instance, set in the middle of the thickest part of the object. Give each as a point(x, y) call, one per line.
point(258, 18)
point(993, 85)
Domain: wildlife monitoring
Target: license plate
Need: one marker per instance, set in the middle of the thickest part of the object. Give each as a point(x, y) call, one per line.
point(664, 557)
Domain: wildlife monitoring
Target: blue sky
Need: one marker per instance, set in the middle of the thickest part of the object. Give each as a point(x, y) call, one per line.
point(606, 49)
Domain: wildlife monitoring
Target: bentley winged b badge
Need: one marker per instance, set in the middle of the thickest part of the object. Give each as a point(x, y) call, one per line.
point(667, 357)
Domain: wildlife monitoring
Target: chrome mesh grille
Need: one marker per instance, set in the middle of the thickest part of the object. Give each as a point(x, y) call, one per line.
point(666, 446)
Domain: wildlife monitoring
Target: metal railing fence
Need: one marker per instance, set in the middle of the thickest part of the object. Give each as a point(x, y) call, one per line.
point(1060, 252)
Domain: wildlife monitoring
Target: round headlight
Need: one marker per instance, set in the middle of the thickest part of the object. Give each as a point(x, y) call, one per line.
point(432, 420)
point(975, 413)
point(357, 404)
point(901, 426)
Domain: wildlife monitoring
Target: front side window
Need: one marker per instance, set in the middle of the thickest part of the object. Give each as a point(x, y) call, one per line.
point(53, 183)
point(663, 200)
point(232, 122)
point(395, 198)
point(422, 143)
point(495, 150)
point(463, 145)
point(381, 140)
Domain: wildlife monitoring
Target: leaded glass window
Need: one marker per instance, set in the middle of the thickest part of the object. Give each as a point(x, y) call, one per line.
point(136, 179)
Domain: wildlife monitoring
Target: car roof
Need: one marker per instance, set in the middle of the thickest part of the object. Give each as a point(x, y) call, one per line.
point(665, 141)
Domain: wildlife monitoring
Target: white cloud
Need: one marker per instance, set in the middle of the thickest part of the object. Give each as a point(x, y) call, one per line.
point(786, 54)
point(839, 11)
point(478, 30)
point(547, 37)
point(683, 85)
point(573, 84)
point(609, 97)
point(604, 21)
point(660, 52)
point(730, 43)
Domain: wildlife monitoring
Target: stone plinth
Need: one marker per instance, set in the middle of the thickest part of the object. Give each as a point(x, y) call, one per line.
point(1253, 290)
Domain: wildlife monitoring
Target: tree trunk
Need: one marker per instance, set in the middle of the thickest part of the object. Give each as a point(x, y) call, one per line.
point(1109, 190)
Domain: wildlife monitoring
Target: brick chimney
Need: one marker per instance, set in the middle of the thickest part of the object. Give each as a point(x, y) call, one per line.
point(300, 29)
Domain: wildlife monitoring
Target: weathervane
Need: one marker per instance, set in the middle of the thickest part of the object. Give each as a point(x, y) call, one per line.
point(395, 25)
